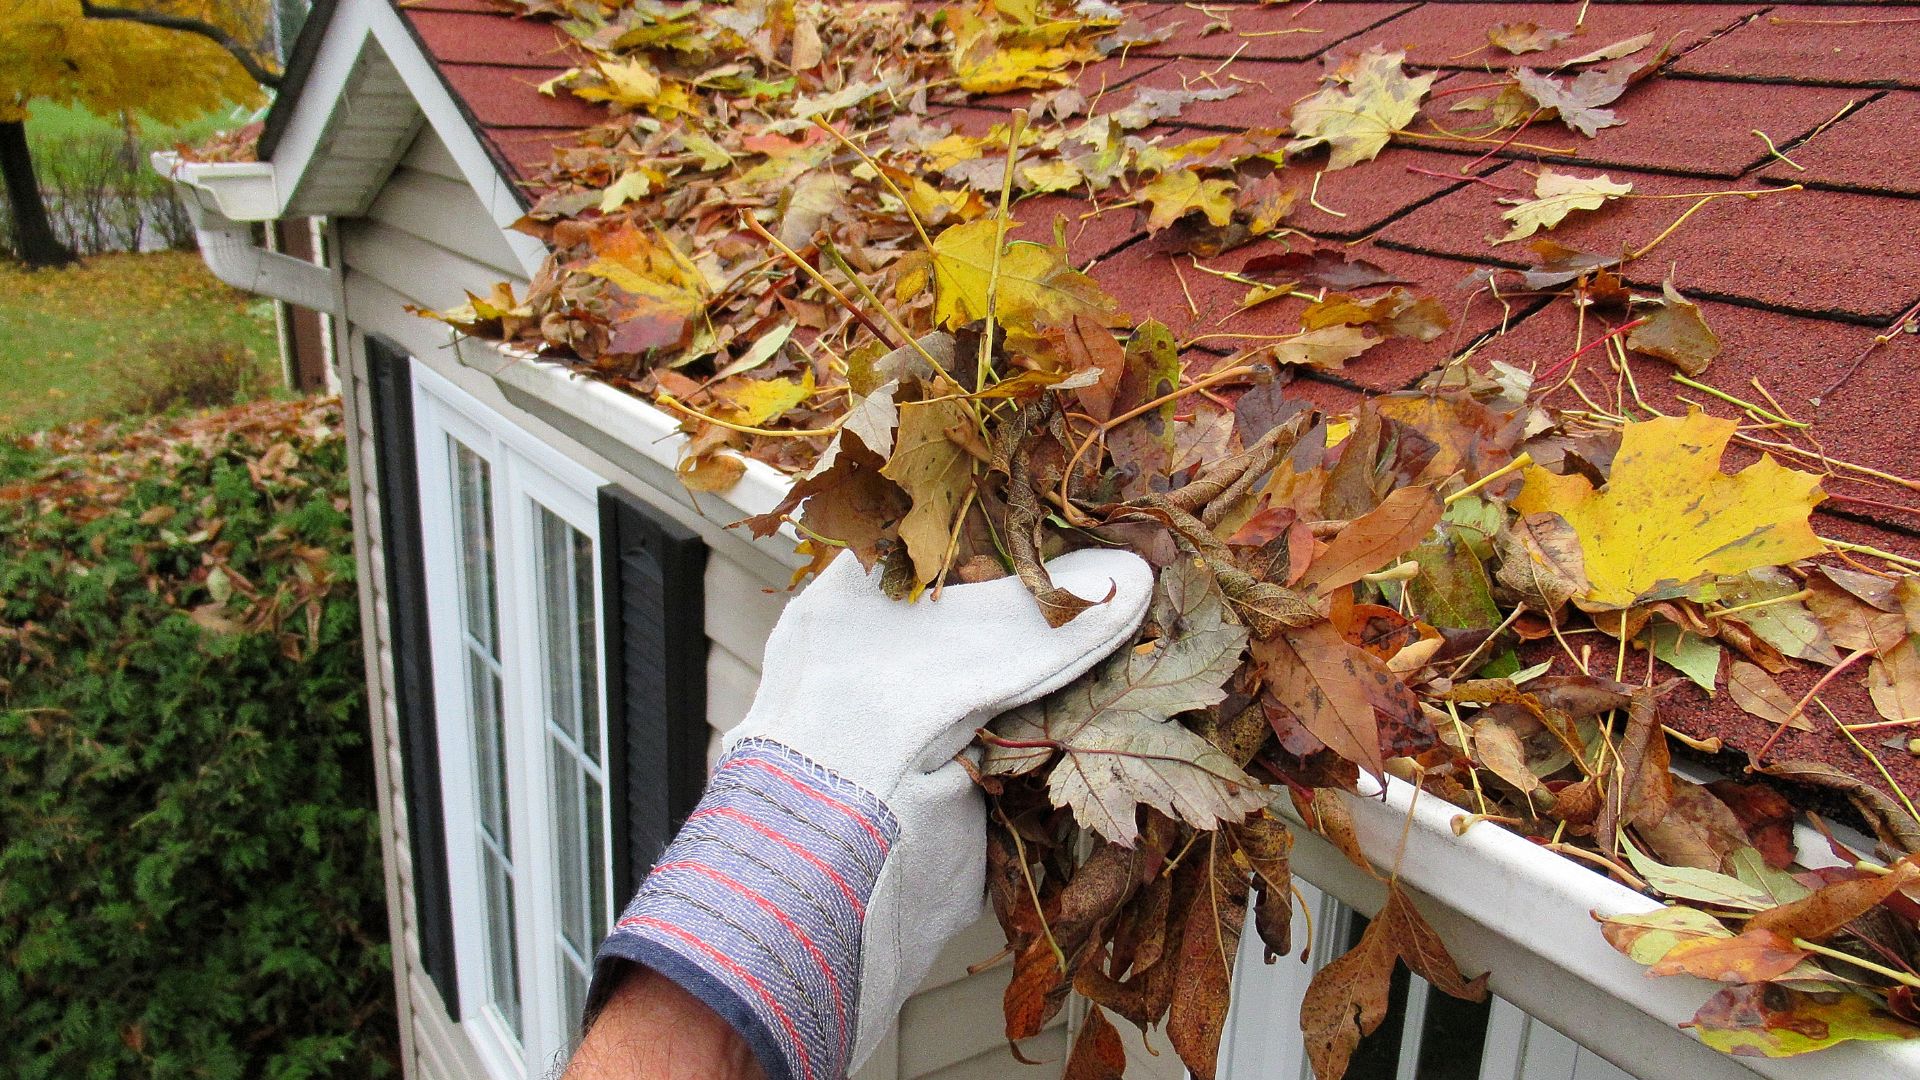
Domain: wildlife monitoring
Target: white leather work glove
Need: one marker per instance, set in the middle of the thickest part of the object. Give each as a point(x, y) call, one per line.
point(839, 845)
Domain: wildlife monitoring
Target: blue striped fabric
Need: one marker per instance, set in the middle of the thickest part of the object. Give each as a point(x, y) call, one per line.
point(757, 906)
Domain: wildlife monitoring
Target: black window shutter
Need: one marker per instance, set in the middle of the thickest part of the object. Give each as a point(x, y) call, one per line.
point(396, 474)
point(651, 571)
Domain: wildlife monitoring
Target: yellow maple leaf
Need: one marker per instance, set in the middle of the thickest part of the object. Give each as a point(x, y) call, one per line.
point(1669, 516)
point(1370, 98)
point(1019, 68)
point(633, 84)
point(1175, 194)
point(1555, 196)
point(1036, 287)
point(754, 402)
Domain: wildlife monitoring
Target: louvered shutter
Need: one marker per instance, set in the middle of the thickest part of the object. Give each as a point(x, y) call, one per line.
point(652, 571)
point(396, 475)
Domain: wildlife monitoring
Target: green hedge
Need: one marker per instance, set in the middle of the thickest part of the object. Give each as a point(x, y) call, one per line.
point(190, 875)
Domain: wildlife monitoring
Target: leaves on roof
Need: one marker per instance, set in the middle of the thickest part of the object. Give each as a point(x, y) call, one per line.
point(1555, 195)
point(1367, 100)
point(777, 236)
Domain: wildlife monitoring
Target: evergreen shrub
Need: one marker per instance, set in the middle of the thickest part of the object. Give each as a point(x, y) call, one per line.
point(190, 879)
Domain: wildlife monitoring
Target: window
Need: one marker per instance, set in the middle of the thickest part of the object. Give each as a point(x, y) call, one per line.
point(513, 598)
point(1427, 1035)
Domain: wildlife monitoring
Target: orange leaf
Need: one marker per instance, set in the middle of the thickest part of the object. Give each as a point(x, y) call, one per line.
point(1375, 539)
point(1753, 957)
point(1834, 906)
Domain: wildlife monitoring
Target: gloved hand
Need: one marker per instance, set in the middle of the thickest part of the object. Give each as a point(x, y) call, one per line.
point(839, 845)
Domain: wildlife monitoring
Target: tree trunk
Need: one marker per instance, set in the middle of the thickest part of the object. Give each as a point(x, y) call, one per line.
point(33, 235)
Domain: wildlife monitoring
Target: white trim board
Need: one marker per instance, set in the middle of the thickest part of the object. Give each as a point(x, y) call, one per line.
point(356, 26)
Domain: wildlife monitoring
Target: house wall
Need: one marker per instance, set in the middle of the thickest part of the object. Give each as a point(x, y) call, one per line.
point(425, 241)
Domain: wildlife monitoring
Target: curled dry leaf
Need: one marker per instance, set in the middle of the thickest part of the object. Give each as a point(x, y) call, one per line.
point(1831, 907)
point(1098, 1053)
point(1676, 332)
point(1519, 38)
point(1204, 972)
point(1541, 561)
point(1267, 845)
point(1347, 999)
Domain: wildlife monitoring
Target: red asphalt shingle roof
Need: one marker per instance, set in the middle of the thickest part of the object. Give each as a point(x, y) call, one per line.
point(1795, 285)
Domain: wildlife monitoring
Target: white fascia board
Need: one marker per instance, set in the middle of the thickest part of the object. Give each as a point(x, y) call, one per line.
point(355, 25)
point(1509, 907)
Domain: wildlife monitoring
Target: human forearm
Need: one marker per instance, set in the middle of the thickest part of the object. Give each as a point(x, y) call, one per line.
point(651, 1029)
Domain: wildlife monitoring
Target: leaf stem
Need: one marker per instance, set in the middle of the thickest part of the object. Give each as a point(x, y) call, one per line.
point(1851, 659)
point(1589, 347)
point(1033, 889)
point(1695, 208)
point(1073, 515)
point(1900, 977)
point(1774, 151)
point(1789, 598)
point(1765, 414)
point(1863, 549)
point(1877, 765)
point(1600, 860)
point(984, 363)
point(821, 123)
point(1525, 459)
point(819, 279)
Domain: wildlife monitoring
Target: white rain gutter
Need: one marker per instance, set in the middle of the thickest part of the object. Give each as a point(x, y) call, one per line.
point(1502, 904)
point(1506, 906)
point(225, 200)
point(644, 440)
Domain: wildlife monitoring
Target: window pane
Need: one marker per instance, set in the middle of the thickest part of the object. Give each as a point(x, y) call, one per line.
point(490, 751)
point(503, 952)
point(479, 602)
point(574, 984)
point(473, 480)
point(599, 921)
point(571, 631)
point(573, 884)
point(588, 635)
point(1454, 1037)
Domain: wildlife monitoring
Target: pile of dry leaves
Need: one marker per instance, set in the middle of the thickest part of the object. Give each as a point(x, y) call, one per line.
point(1457, 587)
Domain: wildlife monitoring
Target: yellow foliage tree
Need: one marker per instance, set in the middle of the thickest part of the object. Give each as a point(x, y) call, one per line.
point(168, 60)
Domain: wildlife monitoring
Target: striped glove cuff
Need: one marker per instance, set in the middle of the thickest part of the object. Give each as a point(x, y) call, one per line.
point(758, 905)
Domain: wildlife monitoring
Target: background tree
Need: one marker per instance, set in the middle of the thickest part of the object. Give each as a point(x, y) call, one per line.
point(170, 61)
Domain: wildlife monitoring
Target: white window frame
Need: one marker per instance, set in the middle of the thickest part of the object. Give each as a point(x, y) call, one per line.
point(523, 471)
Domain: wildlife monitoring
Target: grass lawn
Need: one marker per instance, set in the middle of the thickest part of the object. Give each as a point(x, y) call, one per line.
point(65, 122)
point(69, 339)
